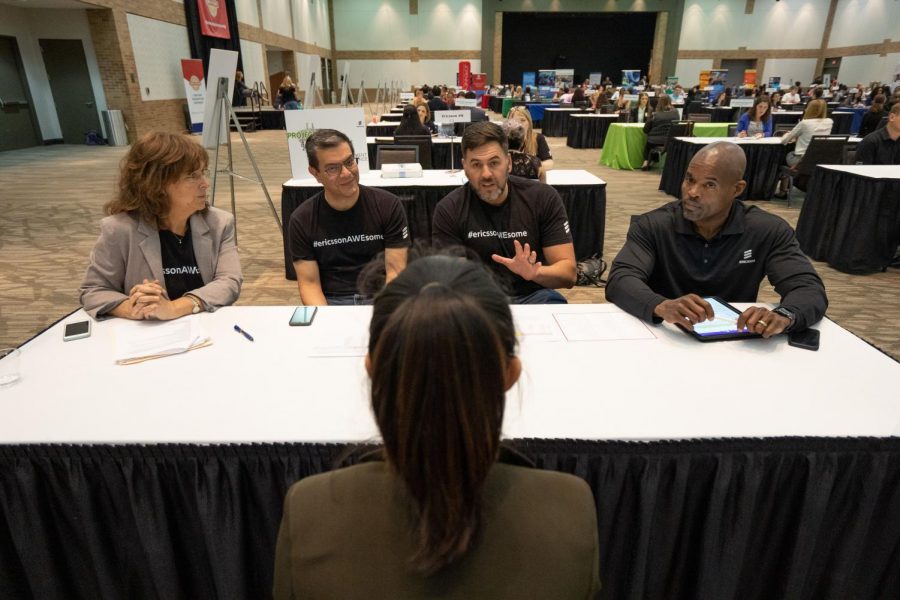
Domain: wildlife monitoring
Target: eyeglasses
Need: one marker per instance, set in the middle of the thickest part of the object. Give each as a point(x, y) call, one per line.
point(335, 170)
point(197, 175)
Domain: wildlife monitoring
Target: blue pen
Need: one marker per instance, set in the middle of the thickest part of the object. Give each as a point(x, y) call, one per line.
point(243, 333)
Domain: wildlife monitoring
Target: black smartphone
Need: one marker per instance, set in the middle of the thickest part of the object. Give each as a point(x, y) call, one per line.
point(77, 330)
point(303, 315)
point(808, 339)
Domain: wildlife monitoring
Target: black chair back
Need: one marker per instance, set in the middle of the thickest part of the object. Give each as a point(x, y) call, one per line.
point(679, 129)
point(701, 117)
point(822, 150)
point(732, 130)
point(849, 154)
point(607, 109)
point(882, 122)
point(692, 107)
point(422, 142)
point(396, 155)
point(624, 116)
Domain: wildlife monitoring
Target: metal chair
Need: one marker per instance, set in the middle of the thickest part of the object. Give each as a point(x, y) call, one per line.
point(732, 130)
point(781, 129)
point(423, 142)
point(822, 150)
point(396, 155)
point(701, 117)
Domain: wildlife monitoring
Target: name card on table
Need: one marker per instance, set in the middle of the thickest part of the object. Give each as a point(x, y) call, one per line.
point(466, 102)
point(452, 116)
point(406, 95)
point(631, 97)
point(741, 102)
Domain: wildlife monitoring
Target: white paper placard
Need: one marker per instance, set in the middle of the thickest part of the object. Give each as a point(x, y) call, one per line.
point(741, 102)
point(452, 116)
point(631, 97)
point(300, 124)
point(222, 63)
point(406, 95)
point(466, 102)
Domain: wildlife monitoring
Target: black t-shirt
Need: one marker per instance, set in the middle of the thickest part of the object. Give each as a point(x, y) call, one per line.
point(878, 148)
point(180, 269)
point(533, 213)
point(343, 242)
point(543, 148)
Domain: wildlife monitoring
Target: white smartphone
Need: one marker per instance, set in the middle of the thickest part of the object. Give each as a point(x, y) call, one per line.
point(77, 330)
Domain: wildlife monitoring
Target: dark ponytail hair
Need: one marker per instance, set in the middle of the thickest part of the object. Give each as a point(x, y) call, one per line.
point(440, 340)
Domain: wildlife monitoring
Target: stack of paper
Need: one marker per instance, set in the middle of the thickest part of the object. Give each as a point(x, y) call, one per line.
point(137, 341)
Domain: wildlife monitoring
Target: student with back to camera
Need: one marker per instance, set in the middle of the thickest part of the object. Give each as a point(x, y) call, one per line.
point(443, 510)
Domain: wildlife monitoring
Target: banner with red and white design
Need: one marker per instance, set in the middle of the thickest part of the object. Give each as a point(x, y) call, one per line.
point(213, 18)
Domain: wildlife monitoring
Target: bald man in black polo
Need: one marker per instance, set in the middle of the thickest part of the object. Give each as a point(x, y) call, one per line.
point(710, 244)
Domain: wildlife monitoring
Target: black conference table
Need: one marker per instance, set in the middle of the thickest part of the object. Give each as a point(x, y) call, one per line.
point(764, 160)
point(556, 121)
point(583, 195)
point(440, 152)
point(851, 217)
point(381, 129)
point(495, 103)
point(588, 130)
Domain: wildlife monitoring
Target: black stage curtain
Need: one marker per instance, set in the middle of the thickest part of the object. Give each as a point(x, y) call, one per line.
point(791, 518)
point(201, 44)
point(850, 222)
point(588, 133)
point(761, 174)
point(585, 206)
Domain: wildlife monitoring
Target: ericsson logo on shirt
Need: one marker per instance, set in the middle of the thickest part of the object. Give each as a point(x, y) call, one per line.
point(503, 235)
point(350, 239)
point(748, 258)
point(188, 270)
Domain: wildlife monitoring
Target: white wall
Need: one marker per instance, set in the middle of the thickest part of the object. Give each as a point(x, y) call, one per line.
point(311, 22)
point(688, 70)
point(403, 73)
point(867, 69)
point(275, 61)
point(446, 25)
point(246, 12)
point(252, 59)
point(858, 22)
point(28, 26)
point(158, 49)
point(385, 25)
point(276, 16)
point(718, 24)
point(789, 69)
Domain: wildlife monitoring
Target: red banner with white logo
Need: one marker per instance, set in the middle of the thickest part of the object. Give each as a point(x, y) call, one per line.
point(464, 74)
point(213, 18)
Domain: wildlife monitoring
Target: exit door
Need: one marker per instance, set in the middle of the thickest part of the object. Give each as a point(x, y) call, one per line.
point(17, 123)
point(70, 83)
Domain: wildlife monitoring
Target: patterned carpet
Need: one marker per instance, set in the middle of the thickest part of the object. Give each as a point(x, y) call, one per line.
point(51, 202)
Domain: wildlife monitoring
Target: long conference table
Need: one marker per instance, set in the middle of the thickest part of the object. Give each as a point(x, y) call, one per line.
point(728, 470)
point(583, 195)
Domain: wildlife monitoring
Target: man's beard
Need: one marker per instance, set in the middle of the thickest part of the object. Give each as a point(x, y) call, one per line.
point(491, 197)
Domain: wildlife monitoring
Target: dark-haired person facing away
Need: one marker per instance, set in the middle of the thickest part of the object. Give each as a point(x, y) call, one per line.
point(517, 226)
point(410, 124)
point(882, 146)
point(334, 234)
point(710, 244)
point(163, 252)
point(443, 511)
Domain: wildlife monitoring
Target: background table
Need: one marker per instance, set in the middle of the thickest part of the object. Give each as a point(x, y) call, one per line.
point(857, 113)
point(391, 117)
point(495, 103)
point(764, 159)
point(588, 130)
point(148, 494)
point(718, 114)
point(787, 117)
point(583, 195)
point(851, 216)
point(385, 128)
point(843, 122)
point(623, 147)
point(555, 121)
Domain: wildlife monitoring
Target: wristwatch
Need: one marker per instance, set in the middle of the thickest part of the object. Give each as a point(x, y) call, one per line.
point(780, 310)
point(197, 306)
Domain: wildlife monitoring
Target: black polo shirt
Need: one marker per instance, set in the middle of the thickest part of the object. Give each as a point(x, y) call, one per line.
point(878, 148)
point(664, 258)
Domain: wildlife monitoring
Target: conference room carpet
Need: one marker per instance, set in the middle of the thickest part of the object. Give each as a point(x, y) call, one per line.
point(51, 201)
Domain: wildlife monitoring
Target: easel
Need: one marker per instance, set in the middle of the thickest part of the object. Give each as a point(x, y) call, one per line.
point(362, 94)
point(313, 93)
point(221, 108)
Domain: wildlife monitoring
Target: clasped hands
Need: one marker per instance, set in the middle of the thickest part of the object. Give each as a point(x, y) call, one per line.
point(688, 310)
point(524, 264)
point(149, 301)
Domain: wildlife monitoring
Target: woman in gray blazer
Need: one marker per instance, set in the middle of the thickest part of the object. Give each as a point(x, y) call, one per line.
point(443, 510)
point(163, 252)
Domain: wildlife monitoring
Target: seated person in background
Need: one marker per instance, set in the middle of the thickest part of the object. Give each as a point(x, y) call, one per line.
point(872, 117)
point(523, 165)
point(791, 97)
point(756, 122)
point(623, 104)
point(709, 244)
point(163, 252)
point(814, 122)
point(443, 509)
point(288, 93)
point(775, 101)
point(724, 99)
point(642, 112)
point(517, 226)
point(535, 143)
point(677, 96)
point(578, 97)
point(425, 116)
point(882, 146)
point(566, 97)
point(657, 128)
point(436, 102)
point(334, 234)
point(478, 114)
point(241, 91)
point(410, 124)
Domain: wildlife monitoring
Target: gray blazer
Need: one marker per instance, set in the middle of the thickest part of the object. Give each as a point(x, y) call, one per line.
point(128, 252)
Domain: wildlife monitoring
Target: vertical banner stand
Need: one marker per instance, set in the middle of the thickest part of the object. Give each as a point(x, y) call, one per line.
point(362, 94)
point(313, 93)
point(220, 110)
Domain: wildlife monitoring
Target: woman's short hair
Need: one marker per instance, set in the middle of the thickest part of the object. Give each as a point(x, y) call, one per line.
point(156, 160)
point(440, 342)
point(817, 109)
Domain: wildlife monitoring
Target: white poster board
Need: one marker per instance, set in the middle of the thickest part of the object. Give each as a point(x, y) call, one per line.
point(301, 124)
point(222, 63)
point(310, 71)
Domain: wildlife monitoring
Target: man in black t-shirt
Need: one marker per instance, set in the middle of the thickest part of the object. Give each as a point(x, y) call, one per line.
point(334, 234)
point(517, 226)
point(882, 146)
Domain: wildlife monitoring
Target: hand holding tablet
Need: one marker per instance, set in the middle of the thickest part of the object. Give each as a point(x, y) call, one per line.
point(712, 319)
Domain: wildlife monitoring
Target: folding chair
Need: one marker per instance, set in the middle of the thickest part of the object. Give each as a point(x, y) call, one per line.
point(396, 155)
point(822, 150)
point(677, 129)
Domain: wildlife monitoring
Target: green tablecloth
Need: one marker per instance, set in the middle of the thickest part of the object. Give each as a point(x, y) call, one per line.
point(507, 104)
point(711, 129)
point(624, 146)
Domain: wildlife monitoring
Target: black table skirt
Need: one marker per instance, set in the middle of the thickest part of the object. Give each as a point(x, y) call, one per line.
point(556, 122)
point(272, 119)
point(392, 117)
point(440, 155)
point(495, 103)
point(718, 114)
point(763, 165)
point(378, 130)
point(588, 132)
point(585, 207)
point(785, 119)
point(850, 222)
point(793, 518)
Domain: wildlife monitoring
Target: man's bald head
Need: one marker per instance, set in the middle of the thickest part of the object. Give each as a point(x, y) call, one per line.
point(726, 158)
